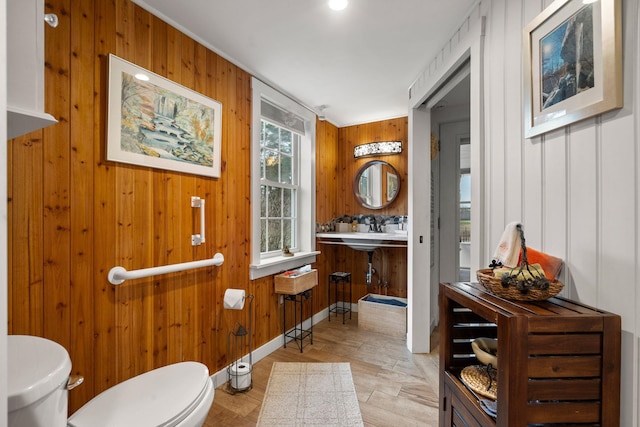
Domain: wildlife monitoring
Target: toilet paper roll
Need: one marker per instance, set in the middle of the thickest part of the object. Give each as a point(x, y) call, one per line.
point(240, 375)
point(234, 299)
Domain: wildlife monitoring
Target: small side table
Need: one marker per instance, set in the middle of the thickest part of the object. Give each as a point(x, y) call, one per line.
point(297, 333)
point(340, 278)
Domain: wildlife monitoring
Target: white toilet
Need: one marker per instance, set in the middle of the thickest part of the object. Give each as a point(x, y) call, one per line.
point(178, 395)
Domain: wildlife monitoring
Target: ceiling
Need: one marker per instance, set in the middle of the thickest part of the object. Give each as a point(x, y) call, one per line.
point(353, 66)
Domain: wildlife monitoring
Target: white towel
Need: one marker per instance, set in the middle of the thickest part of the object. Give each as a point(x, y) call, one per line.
point(508, 250)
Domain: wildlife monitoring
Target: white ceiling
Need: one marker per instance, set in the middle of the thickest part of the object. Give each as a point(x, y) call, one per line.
point(359, 62)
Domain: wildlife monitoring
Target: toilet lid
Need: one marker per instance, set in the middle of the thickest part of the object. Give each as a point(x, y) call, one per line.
point(36, 367)
point(162, 397)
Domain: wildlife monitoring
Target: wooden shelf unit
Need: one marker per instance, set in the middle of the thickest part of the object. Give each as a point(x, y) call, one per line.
point(558, 360)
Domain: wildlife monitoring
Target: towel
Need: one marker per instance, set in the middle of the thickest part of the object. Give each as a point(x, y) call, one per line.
point(550, 264)
point(508, 249)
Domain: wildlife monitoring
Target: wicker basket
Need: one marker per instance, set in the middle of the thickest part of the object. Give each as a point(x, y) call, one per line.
point(494, 285)
point(477, 378)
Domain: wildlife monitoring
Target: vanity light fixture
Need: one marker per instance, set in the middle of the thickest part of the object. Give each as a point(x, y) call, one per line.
point(377, 148)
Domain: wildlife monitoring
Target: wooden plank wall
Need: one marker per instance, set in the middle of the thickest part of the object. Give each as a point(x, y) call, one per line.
point(390, 264)
point(73, 215)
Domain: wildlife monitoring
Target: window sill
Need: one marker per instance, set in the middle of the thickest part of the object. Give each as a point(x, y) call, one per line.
point(278, 264)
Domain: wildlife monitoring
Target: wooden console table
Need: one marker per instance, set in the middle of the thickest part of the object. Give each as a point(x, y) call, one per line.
point(558, 360)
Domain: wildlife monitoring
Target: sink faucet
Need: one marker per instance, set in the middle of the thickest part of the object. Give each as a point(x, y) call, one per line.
point(374, 227)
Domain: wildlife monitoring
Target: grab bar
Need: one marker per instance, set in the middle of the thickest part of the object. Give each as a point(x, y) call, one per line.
point(198, 239)
point(119, 274)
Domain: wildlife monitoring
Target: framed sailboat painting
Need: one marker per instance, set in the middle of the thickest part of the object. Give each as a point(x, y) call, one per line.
point(157, 123)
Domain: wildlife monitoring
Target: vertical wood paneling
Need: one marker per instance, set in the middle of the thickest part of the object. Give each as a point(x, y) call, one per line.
point(10, 239)
point(497, 152)
point(346, 259)
point(104, 213)
point(143, 212)
point(56, 188)
point(203, 309)
point(512, 178)
point(81, 192)
point(618, 142)
point(125, 327)
point(175, 207)
point(161, 222)
point(26, 231)
point(188, 300)
point(579, 185)
point(348, 138)
point(75, 215)
point(582, 255)
point(327, 184)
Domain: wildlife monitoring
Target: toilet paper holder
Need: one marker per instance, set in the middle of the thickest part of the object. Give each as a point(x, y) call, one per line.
point(240, 369)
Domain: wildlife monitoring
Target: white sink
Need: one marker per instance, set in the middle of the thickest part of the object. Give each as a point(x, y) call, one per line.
point(366, 241)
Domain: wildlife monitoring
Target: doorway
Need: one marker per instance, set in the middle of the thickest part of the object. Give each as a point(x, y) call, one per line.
point(468, 51)
point(450, 186)
point(454, 207)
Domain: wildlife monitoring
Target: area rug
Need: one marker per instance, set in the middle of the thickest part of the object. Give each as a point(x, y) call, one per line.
point(304, 394)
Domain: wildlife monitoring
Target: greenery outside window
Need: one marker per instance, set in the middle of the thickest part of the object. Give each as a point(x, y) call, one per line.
point(278, 188)
point(282, 182)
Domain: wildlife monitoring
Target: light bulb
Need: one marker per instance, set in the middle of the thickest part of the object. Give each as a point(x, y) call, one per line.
point(338, 4)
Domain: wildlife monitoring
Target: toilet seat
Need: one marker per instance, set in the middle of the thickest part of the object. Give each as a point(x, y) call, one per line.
point(163, 397)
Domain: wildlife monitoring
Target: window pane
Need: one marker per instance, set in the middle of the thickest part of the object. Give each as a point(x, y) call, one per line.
point(277, 204)
point(465, 207)
point(263, 201)
point(286, 169)
point(286, 141)
point(270, 136)
point(287, 233)
point(287, 203)
point(275, 235)
point(274, 203)
point(263, 235)
point(271, 165)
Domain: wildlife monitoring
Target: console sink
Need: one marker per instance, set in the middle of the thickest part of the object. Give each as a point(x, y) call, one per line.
point(364, 241)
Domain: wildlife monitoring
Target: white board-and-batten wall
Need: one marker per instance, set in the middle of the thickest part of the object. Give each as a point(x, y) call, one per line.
point(576, 189)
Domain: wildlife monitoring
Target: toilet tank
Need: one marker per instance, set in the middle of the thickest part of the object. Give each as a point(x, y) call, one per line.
point(38, 372)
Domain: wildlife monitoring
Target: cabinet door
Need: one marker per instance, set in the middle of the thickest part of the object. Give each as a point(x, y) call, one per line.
point(454, 413)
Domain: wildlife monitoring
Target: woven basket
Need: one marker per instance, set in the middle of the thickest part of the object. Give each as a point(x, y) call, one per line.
point(477, 379)
point(494, 285)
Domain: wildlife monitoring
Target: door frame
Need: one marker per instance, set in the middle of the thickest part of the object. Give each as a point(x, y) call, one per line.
point(470, 47)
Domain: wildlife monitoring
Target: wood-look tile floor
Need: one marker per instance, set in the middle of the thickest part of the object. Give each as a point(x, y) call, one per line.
point(394, 387)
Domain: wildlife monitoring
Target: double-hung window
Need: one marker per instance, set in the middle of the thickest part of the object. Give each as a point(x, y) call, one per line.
point(282, 182)
point(278, 187)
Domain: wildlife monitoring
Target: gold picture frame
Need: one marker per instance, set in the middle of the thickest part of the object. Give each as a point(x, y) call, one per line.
point(572, 64)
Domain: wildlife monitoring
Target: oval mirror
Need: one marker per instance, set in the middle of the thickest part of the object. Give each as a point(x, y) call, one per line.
point(376, 185)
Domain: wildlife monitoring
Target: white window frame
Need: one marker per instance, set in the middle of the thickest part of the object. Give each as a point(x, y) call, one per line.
point(294, 185)
point(305, 253)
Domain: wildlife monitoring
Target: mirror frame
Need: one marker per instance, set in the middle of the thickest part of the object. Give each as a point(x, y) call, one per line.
point(356, 185)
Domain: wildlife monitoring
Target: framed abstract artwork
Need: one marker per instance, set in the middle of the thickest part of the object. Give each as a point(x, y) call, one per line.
point(572, 64)
point(157, 123)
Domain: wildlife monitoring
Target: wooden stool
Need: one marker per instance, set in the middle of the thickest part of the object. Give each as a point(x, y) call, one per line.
point(340, 278)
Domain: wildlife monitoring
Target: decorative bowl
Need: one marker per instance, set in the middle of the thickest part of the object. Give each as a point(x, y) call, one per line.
point(486, 350)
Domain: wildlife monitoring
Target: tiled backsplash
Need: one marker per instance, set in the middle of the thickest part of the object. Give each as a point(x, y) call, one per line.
point(381, 222)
